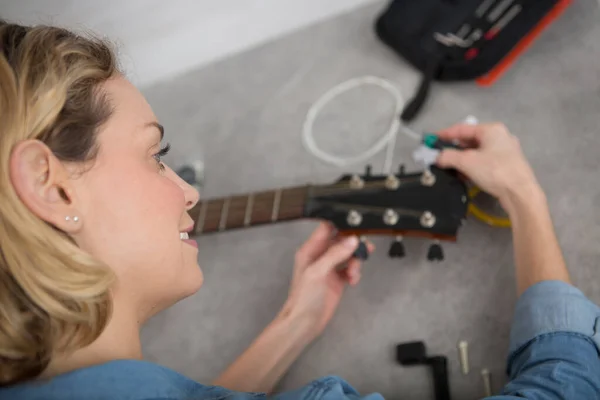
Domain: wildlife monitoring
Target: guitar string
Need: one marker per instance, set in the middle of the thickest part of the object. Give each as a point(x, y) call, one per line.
point(321, 190)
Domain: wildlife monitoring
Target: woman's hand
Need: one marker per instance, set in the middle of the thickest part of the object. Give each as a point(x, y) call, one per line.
point(492, 159)
point(316, 290)
point(323, 267)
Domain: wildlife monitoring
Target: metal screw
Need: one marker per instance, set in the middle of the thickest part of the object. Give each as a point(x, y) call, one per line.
point(428, 178)
point(354, 218)
point(427, 219)
point(356, 182)
point(487, 381)
point(463, 350)
point(390, 217)
point(392, 182)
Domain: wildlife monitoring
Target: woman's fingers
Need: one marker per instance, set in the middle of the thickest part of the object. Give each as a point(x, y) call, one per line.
point(352, 272)
point(337, 254)
point(464, 133)
point(370, 246)
point(326, 254)
point(316, 245)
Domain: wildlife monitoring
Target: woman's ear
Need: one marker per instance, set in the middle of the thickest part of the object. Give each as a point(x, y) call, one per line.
point(43, 185)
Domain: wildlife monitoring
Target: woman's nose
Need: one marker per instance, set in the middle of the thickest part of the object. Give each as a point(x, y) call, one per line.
point(191, 195)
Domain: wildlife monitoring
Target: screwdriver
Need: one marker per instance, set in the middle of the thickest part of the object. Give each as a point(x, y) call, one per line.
point(432, 141)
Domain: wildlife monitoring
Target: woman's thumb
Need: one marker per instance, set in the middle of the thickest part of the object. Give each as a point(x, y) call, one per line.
point(337, 254)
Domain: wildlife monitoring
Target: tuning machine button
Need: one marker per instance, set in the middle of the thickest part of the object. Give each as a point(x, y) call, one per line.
point(356, 182)
point(390, 217)
point(428, 178)
point(397, 248)
point(427, 219)
point(392, 182)
point(354, 218)
point(362, 251)
point(435, 253)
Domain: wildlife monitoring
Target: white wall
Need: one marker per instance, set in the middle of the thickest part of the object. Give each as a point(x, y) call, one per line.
point(162, 38)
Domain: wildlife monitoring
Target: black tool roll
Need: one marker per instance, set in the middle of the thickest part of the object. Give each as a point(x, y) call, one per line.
point(457, 39)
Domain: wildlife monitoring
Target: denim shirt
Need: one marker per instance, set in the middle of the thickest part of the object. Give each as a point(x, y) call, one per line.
point(554, 354)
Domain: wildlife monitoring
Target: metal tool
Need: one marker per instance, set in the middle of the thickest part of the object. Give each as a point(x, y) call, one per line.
point(463, 31)
point(415, 353)
point(484, 7)
point(499, 10)
point(463, 350)
point(487, 381)
point(506, 19)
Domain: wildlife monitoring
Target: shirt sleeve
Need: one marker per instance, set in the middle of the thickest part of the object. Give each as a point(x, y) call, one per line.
point(554, 345)
point(553, 306)
point(327, 388)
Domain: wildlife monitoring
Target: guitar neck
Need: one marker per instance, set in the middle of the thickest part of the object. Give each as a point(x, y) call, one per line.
point(243, 211)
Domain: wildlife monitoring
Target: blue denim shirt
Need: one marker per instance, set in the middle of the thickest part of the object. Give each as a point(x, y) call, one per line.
point(554, 354)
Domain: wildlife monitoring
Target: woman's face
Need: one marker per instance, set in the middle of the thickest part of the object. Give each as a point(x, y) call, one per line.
point(132, 209)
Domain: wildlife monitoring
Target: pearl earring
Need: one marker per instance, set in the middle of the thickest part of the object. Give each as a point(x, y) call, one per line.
point(75, 218)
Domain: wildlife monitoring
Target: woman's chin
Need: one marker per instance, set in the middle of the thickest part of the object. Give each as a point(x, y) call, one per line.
point(194, 280)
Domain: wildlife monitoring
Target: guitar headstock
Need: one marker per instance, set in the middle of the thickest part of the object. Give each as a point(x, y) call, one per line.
point(430, 204)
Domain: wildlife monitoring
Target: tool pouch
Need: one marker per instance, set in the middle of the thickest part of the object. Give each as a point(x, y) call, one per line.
point(450, 40)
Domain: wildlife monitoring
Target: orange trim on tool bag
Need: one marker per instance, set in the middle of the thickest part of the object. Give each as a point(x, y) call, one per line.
point(491, 77)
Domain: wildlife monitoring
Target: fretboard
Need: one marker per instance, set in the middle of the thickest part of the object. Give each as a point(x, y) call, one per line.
point(222, 214)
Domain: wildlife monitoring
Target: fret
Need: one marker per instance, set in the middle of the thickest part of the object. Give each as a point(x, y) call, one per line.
point(224, 214)
point(249, 205)
point(202, 218)
point(258, 208)
point(276, 205)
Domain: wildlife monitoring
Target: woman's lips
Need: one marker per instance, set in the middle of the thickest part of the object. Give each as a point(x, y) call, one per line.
point(186, 238)
point(191, 242)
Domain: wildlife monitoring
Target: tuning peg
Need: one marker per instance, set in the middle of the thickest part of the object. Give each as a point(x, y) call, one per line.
point(397, 248)
point(435, 253)
point(368, 170)
point(362, 252)
point(401, 169)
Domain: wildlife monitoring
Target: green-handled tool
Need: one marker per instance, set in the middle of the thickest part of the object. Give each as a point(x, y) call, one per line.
point(432, 141)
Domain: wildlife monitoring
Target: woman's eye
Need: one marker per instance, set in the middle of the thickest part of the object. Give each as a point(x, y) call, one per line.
point(162, 152)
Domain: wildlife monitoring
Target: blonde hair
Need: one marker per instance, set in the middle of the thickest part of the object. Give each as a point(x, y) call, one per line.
point(54, 297)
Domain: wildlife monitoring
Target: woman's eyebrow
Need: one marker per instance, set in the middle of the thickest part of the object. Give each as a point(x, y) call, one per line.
point(158, 126)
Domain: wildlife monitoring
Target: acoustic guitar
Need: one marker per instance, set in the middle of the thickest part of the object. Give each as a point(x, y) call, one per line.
point(429, 204)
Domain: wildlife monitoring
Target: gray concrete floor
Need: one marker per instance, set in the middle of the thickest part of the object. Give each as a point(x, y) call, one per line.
point(243, 117)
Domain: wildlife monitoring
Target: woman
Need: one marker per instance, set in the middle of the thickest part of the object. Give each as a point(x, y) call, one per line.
point(94, 242)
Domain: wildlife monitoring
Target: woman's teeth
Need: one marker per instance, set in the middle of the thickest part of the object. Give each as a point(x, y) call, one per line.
point(184, 236)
